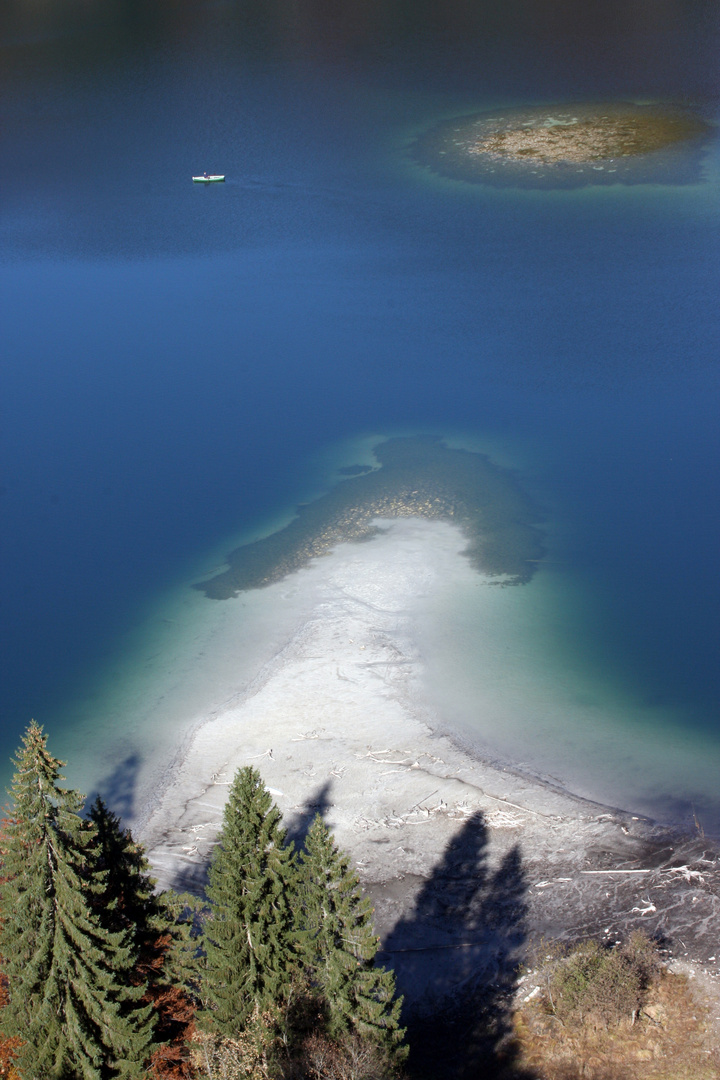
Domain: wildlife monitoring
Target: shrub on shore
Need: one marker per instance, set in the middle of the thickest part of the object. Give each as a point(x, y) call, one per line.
point(593, 983)
point(613, 1014)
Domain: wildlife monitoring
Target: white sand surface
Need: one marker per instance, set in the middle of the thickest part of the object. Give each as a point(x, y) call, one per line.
point(337, 720)
point(337, 715)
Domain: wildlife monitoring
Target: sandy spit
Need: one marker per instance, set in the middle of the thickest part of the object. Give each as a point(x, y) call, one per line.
point(463, 857)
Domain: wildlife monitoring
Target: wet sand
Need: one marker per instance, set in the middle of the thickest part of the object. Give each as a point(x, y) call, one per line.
point(447, 844)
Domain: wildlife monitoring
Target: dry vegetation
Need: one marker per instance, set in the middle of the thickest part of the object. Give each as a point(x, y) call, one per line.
point(614, 1015)
point(257, 1054)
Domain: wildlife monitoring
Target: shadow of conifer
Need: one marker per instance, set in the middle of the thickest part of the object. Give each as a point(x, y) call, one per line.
point(118, 789)
point(192, 879)
point(456, 959)
point(299, 825)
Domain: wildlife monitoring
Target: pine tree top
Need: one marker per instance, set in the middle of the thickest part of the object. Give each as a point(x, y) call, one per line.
point(37, 771)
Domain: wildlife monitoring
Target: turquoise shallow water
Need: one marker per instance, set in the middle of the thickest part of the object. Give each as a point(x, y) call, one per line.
point(179, 363)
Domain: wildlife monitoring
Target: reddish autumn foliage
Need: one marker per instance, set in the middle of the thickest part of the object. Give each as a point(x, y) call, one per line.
point(8, 1047)
point(175, 1013)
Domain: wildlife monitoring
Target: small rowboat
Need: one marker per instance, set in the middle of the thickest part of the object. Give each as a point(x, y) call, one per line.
point(205, 179)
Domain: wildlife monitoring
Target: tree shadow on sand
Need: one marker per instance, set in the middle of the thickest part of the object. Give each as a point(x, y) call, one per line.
point(456, 960)
point(192, 878)
point(299, 825)
point(118, 790)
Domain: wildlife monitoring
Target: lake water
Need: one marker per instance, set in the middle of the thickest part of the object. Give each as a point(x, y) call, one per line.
point(178, 361)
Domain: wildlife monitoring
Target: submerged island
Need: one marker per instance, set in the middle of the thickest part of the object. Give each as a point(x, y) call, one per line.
point(568, 146)
point(417, 476)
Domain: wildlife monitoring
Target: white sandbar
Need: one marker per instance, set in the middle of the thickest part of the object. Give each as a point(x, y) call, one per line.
point(337, 719)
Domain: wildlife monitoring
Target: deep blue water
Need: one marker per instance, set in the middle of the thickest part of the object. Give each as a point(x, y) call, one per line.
point(171, 355)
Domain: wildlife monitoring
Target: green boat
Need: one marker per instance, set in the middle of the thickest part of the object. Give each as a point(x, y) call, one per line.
point(207, 179)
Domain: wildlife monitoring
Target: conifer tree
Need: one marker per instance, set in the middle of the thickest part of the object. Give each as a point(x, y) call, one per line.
point(166, 963)
point(69, 979)
point(342, 946)
point(251, 941)
point(127, 898)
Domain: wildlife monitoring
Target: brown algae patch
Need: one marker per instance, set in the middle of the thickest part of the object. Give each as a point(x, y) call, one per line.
point(418, 476)
point(568, 146)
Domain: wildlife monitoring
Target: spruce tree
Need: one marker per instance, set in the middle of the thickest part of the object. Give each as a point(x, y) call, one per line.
point(358, 996)
point(69, 979)
point(160, 922)
point(251, 942)
point(127, 898)
point(166, 962)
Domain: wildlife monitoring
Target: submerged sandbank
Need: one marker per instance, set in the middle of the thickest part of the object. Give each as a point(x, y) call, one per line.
point(338, 721)
point(414, 476)
point(568, 145)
